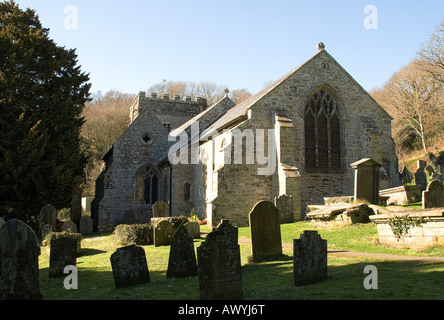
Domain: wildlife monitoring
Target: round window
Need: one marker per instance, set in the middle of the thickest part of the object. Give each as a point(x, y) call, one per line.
point(146, 138)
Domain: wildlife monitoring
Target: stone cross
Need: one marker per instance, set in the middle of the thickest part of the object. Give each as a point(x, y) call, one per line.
point(19, 262)
point(219, 265)
point(265, 231)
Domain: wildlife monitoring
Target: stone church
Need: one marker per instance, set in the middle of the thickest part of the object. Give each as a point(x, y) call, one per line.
point(293, 140)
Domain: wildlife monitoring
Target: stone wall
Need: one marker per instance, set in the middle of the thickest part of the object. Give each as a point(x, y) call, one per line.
point(429, 232)
point(365, 132)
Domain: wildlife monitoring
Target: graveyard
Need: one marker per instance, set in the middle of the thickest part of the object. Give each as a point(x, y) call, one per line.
point(271, 279)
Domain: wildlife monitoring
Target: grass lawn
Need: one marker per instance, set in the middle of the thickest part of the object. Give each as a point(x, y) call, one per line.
point(270, 280)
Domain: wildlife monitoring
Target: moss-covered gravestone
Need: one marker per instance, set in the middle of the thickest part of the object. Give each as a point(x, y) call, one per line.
point(19, 262)
point(63, 253)
point(129, 266)
point(309, 258)
point(219, 265)
point(265, 231)
point(182, 259)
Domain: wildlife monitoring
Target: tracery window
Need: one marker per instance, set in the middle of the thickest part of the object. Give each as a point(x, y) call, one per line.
point(147, 185)
point(322, 132)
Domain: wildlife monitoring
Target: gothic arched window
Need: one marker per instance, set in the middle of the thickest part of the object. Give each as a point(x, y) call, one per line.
point(322, 132)
point(147, 185)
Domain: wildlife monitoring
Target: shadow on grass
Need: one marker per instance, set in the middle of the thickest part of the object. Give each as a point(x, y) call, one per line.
point(395, 280)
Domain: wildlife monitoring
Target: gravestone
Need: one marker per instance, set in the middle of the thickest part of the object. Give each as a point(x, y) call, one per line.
point(63, 253)
point(366, 180)
point(163, 232)
point(265, 231)
point(405, 175)
point(420, 175)
point(129, 266)
point(86, 225)
point(182, 259)
point(433, 196)
point(47, 220)
point(69, 226)
point(2, 222)
point(19, 262)
point(284, 204)
point(129, 217)
point(219, 265)
point(309, 258)
point(194, 228)
point(160, 209)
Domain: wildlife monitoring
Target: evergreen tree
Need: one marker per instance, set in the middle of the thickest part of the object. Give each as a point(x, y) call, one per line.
point(42, 96)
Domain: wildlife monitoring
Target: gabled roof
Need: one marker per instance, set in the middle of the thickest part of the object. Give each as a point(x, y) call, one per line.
point(239, 112)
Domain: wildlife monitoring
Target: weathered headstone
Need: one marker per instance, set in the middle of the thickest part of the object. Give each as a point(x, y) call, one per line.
point(219, 265)
point(405, 175)
point(366, 180)
point(160, 209)
point(69, 226)
point(19, 262)
point(265, 231)
point(420, 175)
point(86, 225)
point(284, 204)
point(309, 258)
point(47, 220)
point(433, 196)
point(129, 217)
point(63, 253)
point(194, 228)
point(182, 259)
point(129, 266)
point(163, 232)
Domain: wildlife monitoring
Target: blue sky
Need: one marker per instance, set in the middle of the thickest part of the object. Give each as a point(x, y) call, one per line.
point(128, 45)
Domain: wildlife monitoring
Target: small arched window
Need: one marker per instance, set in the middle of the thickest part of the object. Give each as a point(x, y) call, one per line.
point(187, 191)
point(322, 131)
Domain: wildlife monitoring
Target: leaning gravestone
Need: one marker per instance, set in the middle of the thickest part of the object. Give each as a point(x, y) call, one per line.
point(194, 228)
point(309, 258)
point(63, 253)
point(284, 204)
point(433, 196)
point(129, 266)
point(219, 265)
point(86, 225)
point(182, 260)
point(265, 231)
point(19, 262)
point(163, 231)
point(160, 209)
point(406, 175)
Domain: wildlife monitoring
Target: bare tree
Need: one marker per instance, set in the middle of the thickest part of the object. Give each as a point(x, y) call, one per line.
point(414, 99)
point(240, 95)
point(431, 54)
